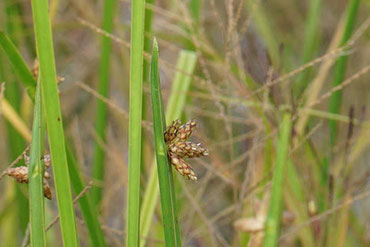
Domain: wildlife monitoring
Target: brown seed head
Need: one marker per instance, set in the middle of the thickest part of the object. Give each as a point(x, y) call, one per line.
point(170, 133)
point(182, 167)
point(187, 149)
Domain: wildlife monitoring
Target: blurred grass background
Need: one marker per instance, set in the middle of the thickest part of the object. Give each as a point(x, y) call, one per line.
point(256, 60)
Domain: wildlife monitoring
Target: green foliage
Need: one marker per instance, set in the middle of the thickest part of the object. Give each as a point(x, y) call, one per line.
point(165, 177)
point(53, 114)
point(135, 118)
point(36, 174)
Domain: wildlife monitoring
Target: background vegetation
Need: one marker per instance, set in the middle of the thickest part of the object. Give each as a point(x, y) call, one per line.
point(279, 90)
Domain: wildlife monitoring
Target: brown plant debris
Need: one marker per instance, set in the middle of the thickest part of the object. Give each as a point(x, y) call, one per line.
point(178, 147)
point(20, 174)
point(35, 71)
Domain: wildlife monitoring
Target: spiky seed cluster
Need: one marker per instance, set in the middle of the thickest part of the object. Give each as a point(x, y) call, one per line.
point(178, 147)
point(20, 173)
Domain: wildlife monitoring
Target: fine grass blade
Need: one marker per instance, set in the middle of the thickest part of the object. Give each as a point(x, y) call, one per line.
point(272, 224)
point(165, 177)
point(36, 174)
point(340, 67)
point(103, 87)
point(310, 43)
point(18, 63)
point(135, 119)
point(88, 211)
point(50, 97)
point(176, 102)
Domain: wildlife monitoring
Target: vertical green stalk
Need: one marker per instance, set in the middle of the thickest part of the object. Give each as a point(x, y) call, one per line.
point(175, 105)
point(54, 123)
point(195, 7)
point(340, 67)
point(103, 88)
point(165, 177)
point(312, 28)
point(145, 155)
point(272, 225)
point(147, 38)
point(36, 174)
point(136, 84)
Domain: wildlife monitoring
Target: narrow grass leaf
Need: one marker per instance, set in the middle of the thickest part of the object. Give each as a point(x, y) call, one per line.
point(312, 31)
point(340, 67)
point(103, 88)
point(36, 174)
point(18, 63)
point(176, 102)
point(135, 118)
point(272, 224)
point(168, 202)
point(55, 131)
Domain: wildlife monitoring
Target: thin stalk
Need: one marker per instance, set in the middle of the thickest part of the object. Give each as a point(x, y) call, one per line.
point(103, 88)
point(165, 177)
point(50, 97)
point(135, 118)
point(145, 142)
point(340, 67)
point(272, 224)
point(310, 43)
point(36, 174)
point(175, 106)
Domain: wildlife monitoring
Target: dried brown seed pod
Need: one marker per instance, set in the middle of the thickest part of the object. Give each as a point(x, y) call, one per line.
point(170, 133)
point(187, 149)
point(36, 68)
point(182, 167)
point(20, 173)
point(47, 190)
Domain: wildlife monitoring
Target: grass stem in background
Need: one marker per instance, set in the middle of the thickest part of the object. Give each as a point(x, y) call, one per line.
point(312, 31)
point(135, 118)
point(36, 174)
point(340, 67)
point(175, 106)
point(272, 224)
point(18, 63)
point(101, 118)
point(168, 201)
point(49, 89)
